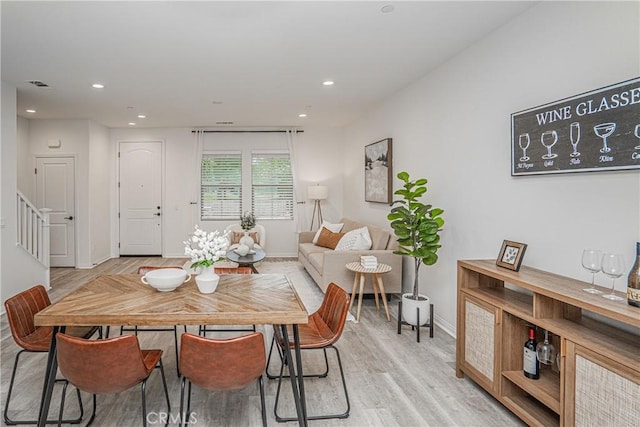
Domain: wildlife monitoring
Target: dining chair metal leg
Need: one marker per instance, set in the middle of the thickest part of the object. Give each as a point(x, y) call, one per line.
point(344, 414)
point(9, 421)
point(62, 401)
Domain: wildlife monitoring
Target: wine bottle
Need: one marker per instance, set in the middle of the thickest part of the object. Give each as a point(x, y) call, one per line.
point(531, 366)
point(633, 282)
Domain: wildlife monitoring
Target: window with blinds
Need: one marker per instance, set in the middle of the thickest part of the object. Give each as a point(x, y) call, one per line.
point(271, 186)
point(221, 186)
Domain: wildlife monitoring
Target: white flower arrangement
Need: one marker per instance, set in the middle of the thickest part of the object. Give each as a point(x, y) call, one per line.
point(206, 248)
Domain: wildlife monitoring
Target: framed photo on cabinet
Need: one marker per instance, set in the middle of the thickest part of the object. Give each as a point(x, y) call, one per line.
point(511, 255)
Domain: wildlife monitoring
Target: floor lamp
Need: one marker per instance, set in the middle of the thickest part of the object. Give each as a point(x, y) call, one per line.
point(317, 193)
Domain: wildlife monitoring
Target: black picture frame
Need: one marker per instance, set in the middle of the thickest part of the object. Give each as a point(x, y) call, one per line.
point(378, 171)
point(511, 255)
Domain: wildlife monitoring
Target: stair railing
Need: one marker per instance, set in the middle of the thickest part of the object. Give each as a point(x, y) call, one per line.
point(33, 229)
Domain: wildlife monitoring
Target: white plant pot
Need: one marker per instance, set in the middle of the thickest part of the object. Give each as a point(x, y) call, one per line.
point(409, 305)
point(207, 281)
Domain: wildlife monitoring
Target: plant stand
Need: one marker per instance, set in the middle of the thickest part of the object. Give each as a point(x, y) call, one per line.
point(417, 328)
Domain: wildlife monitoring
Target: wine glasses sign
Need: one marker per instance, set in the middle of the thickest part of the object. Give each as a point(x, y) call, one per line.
point(546, 351)
point(637, 134)
point(604, 130)
point(549, 139)
point(524, 142)
point(613, 266)
point(592, 261)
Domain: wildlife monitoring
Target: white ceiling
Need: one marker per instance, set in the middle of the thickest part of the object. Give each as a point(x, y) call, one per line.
point(264, 61)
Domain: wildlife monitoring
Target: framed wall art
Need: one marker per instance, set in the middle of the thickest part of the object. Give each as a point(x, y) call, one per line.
point(378, 172)
point(511, 255)
point(594, 131)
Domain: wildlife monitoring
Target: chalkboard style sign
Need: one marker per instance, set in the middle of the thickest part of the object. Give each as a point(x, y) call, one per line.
point(593, 131)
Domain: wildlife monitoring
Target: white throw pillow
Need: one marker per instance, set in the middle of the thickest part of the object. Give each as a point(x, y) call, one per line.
point(334, 228)
point(355, 240)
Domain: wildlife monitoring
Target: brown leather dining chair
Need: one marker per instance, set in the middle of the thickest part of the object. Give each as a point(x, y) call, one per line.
point(135, 329)
point(221, 365)
point(21, 309)
point(323, 331)
point(203, 329)
point(122, 365)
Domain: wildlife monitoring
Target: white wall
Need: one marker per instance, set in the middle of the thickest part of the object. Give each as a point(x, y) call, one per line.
point(99, 203)
point(453, 127)
point(19, 270)
point(25, 171)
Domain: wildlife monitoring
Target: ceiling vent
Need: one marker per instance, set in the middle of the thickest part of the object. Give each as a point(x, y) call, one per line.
point(38, 83)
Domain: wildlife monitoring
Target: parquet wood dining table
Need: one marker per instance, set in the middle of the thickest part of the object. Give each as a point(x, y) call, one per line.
point(264, 299)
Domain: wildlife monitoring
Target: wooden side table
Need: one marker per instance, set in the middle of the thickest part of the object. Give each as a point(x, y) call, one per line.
point(376, 279)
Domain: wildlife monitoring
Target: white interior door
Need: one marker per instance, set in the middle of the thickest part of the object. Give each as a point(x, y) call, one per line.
point(55, 189)
point(140, 185)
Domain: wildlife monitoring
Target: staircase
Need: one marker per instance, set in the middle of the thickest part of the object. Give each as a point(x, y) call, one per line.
point(33, 229)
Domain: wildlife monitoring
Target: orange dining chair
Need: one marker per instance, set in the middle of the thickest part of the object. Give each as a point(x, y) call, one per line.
point(203, 329)
point(123, 365)
point(221, 365)
point(21, 309)
point(323, 331)
point(142, 271)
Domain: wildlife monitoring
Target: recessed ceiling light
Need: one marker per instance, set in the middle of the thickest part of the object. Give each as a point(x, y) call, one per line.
point(142, 116)
point(132, 124)
point(216, 102)
point(97, 86)
point(387, 8)
point(328, 83)
point(302, 115)
point(30, 110)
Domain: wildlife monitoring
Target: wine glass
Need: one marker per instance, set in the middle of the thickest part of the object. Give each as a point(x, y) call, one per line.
point(575, 138)
point(546, 351)
point(637, 134)
point(592, 261)
point(524, 142)
point(613, 266)
point(604, 130)
point(549, 139)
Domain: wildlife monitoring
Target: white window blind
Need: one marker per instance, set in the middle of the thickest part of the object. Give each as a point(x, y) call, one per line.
point(221, 186)
point(271, 186)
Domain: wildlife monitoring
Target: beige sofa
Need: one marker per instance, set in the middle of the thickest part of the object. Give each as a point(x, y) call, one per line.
point(327, 265)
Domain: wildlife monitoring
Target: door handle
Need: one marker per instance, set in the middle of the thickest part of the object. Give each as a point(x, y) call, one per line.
point(69, 218)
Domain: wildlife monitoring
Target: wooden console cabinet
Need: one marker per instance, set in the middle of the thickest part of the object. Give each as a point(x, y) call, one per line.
point(597, 379)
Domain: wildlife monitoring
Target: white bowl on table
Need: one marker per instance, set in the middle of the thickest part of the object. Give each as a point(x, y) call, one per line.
point(166, 279)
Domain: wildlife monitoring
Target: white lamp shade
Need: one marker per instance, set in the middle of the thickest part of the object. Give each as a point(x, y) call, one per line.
point(318, 192)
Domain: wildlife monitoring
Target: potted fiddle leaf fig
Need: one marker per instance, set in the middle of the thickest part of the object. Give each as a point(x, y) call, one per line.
point(417, 227)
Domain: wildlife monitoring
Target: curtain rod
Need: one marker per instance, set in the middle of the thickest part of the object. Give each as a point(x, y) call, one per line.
point(246, 131)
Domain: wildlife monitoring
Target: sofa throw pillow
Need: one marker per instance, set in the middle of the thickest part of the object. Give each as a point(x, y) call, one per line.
point(329, 226)
point(328, 239)
point(235, 237)
point(355, 240)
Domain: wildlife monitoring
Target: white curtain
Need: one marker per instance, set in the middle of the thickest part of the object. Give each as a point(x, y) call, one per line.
point(195, 191)
point(299, 211)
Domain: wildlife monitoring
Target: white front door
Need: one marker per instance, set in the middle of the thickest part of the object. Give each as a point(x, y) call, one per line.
point(55, 189)
point(140, 185)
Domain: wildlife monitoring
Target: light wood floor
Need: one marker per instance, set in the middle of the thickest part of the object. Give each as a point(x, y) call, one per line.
point(392, 380)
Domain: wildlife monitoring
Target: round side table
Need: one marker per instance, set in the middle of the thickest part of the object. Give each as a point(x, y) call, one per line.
point(376, 279)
